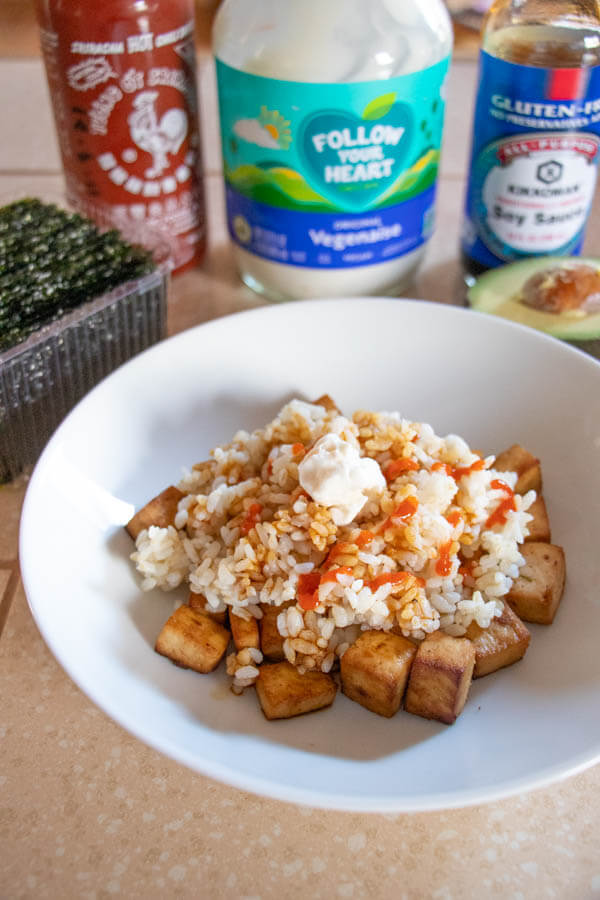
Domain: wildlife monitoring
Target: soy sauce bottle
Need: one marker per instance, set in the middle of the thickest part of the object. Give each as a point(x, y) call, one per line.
point(536, 133)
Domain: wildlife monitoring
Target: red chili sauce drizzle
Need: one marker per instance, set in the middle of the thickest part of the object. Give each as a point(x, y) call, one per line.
point(338, 549)
point(393, 578)
point(308, 590)
point(403, 513)
point(365, 537)
point(498, 517)
point(466, 568)
point(454, 517)
point(252, 517)
point(398, 466)
point(458, 471)
point(308, 585)
point(332, 574)
point(443, 565)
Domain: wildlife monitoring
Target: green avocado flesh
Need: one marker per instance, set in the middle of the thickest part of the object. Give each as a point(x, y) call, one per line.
point(498, 291)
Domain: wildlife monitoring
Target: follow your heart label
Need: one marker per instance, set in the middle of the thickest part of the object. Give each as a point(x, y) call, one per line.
point(326, 175)
point(352, 161)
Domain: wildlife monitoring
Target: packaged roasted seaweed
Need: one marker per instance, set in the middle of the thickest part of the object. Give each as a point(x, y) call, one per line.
point(52, 261)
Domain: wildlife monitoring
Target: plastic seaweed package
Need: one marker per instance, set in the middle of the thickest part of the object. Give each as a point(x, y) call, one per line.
point(75, 303)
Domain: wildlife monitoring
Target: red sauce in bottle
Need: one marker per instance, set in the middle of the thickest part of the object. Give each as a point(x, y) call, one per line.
point(122, 78)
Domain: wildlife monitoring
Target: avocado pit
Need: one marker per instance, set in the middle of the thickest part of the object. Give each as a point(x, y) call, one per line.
point(563, 289)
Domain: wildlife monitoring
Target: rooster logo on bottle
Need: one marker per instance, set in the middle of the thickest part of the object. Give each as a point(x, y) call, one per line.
point(155, 136)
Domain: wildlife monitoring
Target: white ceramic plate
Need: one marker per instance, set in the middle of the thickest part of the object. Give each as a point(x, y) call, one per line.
point(491, 381)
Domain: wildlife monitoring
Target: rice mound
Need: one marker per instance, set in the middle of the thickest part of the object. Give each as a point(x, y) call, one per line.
point(436, 548)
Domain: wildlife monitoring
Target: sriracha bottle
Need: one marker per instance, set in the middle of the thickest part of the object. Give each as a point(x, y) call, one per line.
point(122, 78)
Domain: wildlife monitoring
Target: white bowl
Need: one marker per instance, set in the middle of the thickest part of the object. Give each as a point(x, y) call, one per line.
point(493, 382)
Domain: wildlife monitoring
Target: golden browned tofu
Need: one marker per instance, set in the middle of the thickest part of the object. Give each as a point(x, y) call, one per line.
point(326, 401)
point(375, 670)
point(539, 527)
point(198, 602)
point(538, 590)
point(192, 640)
point(160, 511)
point(440, 677)
point(500, 645)
point(518, 459)
point(271, 642)
point(244, 632)
point(283, 692)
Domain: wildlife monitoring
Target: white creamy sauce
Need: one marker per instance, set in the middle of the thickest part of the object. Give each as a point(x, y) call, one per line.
point(335, 475)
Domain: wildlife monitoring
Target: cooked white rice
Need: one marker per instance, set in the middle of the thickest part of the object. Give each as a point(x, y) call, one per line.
point(437, 548)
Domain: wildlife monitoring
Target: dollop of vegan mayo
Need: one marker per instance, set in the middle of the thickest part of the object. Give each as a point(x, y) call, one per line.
point(335, 475)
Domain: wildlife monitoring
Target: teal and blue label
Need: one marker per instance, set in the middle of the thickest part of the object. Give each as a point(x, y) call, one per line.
point(534, 161)
point(331, 175)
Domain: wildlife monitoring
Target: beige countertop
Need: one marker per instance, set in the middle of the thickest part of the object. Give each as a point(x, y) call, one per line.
point(88, 811)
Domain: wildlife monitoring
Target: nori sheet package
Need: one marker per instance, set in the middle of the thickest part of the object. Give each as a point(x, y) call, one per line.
point(75, 303)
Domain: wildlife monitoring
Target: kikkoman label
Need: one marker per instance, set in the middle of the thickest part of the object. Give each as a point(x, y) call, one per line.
point(327, 175)
point(534, 161)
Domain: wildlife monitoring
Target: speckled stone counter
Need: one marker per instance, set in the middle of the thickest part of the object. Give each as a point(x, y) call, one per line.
point(86, 811)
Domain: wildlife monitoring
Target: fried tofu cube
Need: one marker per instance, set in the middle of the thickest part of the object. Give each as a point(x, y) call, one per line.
point(160, 511)
point(326, 401)
point(283, 692)
point(440, 677)
point(244, 632)
point(271, 642)
point(200, 604)
point(525, 464)
point(539, 527)
point(537, 592)
point(375, 671)
point(192, 640)
point(503, 643)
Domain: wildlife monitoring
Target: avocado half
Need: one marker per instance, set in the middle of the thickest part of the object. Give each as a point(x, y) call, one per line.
point(498, 291)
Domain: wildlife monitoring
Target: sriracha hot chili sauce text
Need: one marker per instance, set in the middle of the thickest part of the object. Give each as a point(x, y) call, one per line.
point(536, 141)
point(331, 124)
point(122, 81)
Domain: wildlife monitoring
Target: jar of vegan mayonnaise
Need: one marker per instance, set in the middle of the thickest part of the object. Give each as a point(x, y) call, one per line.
point(331, 123)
